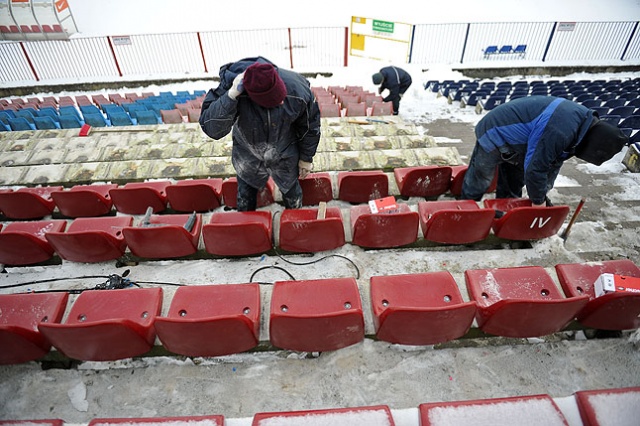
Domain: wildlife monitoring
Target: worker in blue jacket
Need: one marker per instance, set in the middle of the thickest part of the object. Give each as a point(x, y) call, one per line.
point(528, 139)
point(275, 124)
point(394, 79)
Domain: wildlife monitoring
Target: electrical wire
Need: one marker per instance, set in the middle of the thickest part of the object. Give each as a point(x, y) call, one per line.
point(318, 260)
point(270, 267)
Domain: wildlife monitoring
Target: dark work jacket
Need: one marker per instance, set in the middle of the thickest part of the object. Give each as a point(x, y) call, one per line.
point(266, 141)
point(541, 131)
point(396, 80)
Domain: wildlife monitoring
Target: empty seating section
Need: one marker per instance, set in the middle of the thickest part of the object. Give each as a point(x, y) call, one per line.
point(350, 101)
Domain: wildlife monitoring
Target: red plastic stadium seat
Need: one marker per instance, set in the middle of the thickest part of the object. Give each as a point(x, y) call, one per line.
point(212, 320)
point(618, 406)
point(520, 301)
point(84, 200)
point(106, 325)
point(230, 193)
point(356, 109)
point(419, 309)
point(39, 422)
point(28, 203)
point(135, 197)
point(25, 243)
point(330, 110)
point(381, 108)
point(238, 233)
point(613, 311)
point(211, 420)
point(373, 415)
point(522, 221)
point(423, 181)
point(454, 222)
point(302, 232)
point(165, 237)
point(361, 186)
point(533, 410)
point(457, 179)
point(383, 230)
point(200, 195)
point(91, 239)
point(19, 336)
point(316, 187)
point(316, 315)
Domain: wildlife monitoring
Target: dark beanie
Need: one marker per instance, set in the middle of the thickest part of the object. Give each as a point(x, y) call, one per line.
point(377, 78)
point(601, 142)
point(263, 85)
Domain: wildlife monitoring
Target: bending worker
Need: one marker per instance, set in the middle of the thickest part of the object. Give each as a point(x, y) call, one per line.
point(396, 80)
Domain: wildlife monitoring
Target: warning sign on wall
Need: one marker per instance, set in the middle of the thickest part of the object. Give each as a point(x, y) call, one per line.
point(380, 39)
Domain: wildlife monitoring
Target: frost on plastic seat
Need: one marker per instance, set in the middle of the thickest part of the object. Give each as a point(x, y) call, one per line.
point(377, 415)
point(316, 315)
point(532, 409)
point(165, 236)
point(612, 311)
point(316, 187)
point(91, 239)
point(383, 230)
point(210, 420)
point(617, 406)
point(84, 200)
point(107, 325)
point(455, 221)
point(302, 231)
point(520, 301)
point(25, 243)
point(20, 339)
point(522, 221)
point(266, 195)
point(419, 309)
point(238, 233)
point(200, 195)
point(135, 197)
point(28, 203)
point(212, 320)
point(361, 186)
point(423, 181)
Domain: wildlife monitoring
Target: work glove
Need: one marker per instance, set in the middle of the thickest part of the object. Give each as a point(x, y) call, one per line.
point(304, 168)
point(236, 87)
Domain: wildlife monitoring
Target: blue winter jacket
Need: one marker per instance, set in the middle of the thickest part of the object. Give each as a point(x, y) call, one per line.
point(396, 80)
point(544, 130)
point(266, 141)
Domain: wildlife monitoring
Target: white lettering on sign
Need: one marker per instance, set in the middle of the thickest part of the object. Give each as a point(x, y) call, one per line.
point(540, 221)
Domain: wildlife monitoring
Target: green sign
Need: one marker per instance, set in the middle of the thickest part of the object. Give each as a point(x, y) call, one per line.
point(383, 26)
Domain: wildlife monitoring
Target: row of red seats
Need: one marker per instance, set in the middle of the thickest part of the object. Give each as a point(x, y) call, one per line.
point(591, 407)
point(350, 101)
point(314, 315)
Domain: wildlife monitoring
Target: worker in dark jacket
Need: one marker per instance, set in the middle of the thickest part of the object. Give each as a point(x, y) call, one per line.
point(396, 80)
point(276, 127)
point(528, 139)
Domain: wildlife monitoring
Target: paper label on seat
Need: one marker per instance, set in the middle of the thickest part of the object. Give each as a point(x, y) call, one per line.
point(609, 283)
point(383, 205)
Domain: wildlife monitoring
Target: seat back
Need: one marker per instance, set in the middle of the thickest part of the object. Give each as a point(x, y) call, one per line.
point(302, 231)
point(238, 233)
point(135, 197)
point(454, 222)
point(530, 223)
point(200, 195)
point(423, 181)
point(84, 200)
point(381, 108)
point(28, 203)
point(230, 193)
point(362, 186)
point(373, 415)
point(25, 243)
point(383, 230)
point(165, 237)
point(316, 187)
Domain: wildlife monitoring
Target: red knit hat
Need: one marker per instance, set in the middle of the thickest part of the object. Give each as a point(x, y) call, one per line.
point(263, 85)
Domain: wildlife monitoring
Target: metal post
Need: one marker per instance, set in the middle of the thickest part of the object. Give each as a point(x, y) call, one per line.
point(115, 58)
point(464, 45)
point(624, 53)
point(546, 49)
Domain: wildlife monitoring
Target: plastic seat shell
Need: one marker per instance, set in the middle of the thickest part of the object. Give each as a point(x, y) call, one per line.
point(423, 181)
point(377, 415)
point(238, 233)
point(199, 195)
point(361, 186)
point(454, 221)
point(28, 203)
point(522, 221)
point(302, 232)
point(84, 200)
point(165, 237)
point(383, 230)
point(135, 197)
point(25, 243)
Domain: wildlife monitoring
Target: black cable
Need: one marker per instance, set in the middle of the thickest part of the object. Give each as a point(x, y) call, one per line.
point(161, 283)
point(318, 260)
point(270, 267)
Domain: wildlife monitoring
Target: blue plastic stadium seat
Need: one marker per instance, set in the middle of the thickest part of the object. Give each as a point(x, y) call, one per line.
point(145, 117)
point(70, 122)
point(95, 119)
point(120, 119)
point(45, 123)
point(20, 123)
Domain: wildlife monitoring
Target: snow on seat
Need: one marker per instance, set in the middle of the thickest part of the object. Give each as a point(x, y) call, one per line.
point(212, 320)
point(612, 311)
point(301, 230)
point(455, 221)
point(107, 325)
point(423, 181)
point(25, 243)
point(525, 410)
point(383, 230)
point(316, 187)
point(135, 197)
point(238, 233)
point(457, 179)
point(378, 415)
point(602, 407)
point(522, 221)
point(199, 195)
point(85, 200)
point(316, 315)
point(419, 309)
point(20, 339)
point(266, 196)
point(210, 420)
point(91, 239)
point(28, 203)
point(361, 186)
point(166, 236)
point(520, 301)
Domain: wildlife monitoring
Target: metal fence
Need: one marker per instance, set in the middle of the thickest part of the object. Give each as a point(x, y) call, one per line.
point(200, 54)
